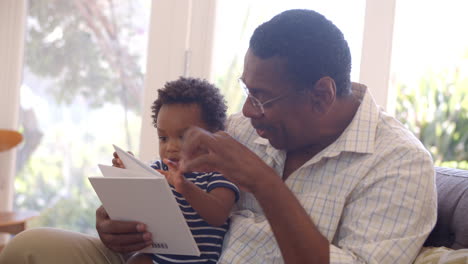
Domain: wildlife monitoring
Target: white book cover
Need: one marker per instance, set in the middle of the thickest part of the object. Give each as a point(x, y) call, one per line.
point(134, 164)
point(145, 196)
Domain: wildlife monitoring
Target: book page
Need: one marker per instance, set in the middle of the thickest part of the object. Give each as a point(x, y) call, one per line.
point(109, 171)
point(132, 163)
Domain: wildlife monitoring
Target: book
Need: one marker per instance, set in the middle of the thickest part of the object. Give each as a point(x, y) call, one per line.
point(140, 193)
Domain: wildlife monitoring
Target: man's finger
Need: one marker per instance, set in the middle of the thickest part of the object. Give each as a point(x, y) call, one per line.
point(165, 173)
point(105, 225)
point(121, 227)
point(126, 239)
point(124, 243)
point(199, 141)
point(205, 162)
point(171, 164)
point(132, 247)
point(194, 139)
point(101, 213)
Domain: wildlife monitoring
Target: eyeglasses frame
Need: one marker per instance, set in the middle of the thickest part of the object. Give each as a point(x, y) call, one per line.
point(256, 103)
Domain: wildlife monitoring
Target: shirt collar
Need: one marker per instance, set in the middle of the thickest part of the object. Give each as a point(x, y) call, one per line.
point(359, 136)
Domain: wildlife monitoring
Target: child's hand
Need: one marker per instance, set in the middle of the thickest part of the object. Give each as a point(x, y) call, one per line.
point(174, 176)
point(117, 162)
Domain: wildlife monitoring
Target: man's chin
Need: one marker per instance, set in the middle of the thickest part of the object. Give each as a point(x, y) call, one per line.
point(277, 144)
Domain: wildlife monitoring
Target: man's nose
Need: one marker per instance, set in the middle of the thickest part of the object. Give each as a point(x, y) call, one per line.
point(250, 111)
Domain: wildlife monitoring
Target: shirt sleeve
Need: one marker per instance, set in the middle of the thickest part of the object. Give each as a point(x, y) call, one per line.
point(217, 180)
point(233, 125)
point(391, 214)
point(158, 165)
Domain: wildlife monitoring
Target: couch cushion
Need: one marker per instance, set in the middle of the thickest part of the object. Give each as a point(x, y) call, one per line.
point(451, 229)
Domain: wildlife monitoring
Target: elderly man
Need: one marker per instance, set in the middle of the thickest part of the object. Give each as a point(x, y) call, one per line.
point(327, 177)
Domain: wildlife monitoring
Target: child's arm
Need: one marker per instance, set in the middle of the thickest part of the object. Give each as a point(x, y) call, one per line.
point(214, 207)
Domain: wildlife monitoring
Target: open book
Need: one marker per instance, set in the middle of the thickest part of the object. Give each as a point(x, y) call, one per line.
point(140, 193)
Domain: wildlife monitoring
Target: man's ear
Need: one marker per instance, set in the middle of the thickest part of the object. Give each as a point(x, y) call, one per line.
point(324, 94)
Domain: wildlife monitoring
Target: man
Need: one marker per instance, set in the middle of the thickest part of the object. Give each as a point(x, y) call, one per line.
point(336, 179)
point(326, 176)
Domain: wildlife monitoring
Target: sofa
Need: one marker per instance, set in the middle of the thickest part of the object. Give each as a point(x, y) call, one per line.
point(451, 230)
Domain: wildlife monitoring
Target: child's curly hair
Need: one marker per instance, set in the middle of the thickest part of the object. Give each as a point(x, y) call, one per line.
point(186, 90)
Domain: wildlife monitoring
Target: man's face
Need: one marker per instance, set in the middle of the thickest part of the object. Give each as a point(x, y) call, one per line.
point(285, 121)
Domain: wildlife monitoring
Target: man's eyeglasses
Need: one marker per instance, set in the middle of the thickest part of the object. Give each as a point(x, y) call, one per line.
point(259, 106)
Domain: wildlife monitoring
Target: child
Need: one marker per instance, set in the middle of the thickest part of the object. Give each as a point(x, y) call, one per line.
point(205, 198)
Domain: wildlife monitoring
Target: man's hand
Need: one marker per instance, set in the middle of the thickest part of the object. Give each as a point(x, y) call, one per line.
point(121, 236)
point(205, 151)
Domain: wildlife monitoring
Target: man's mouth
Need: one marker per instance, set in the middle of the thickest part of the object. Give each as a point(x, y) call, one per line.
point(261, 130)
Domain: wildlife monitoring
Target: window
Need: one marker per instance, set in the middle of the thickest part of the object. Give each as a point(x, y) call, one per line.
point(82, 92)
point(430, 76)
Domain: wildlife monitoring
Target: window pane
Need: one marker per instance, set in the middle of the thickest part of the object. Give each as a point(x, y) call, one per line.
point(430, 75)
point(236, 21)
point(82, 92)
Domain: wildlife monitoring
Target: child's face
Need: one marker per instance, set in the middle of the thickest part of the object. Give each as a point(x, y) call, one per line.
point(173, 121)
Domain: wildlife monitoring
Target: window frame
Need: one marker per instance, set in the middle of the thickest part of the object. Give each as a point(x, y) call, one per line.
point(180, 44)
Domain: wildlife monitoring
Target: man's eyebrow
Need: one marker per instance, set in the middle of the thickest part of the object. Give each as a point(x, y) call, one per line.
point(254, 90)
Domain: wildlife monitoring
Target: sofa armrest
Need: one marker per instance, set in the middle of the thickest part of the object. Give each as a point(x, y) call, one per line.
point(451, 229)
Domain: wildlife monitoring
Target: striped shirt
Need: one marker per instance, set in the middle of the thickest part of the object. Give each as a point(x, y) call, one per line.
point(209, 239)
point(371, 193)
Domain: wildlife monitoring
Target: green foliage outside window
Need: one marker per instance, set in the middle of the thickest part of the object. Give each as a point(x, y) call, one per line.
point(437, 113)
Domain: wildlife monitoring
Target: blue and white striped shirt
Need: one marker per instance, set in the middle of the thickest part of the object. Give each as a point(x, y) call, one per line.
point(371, 193)
point(209, 238)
